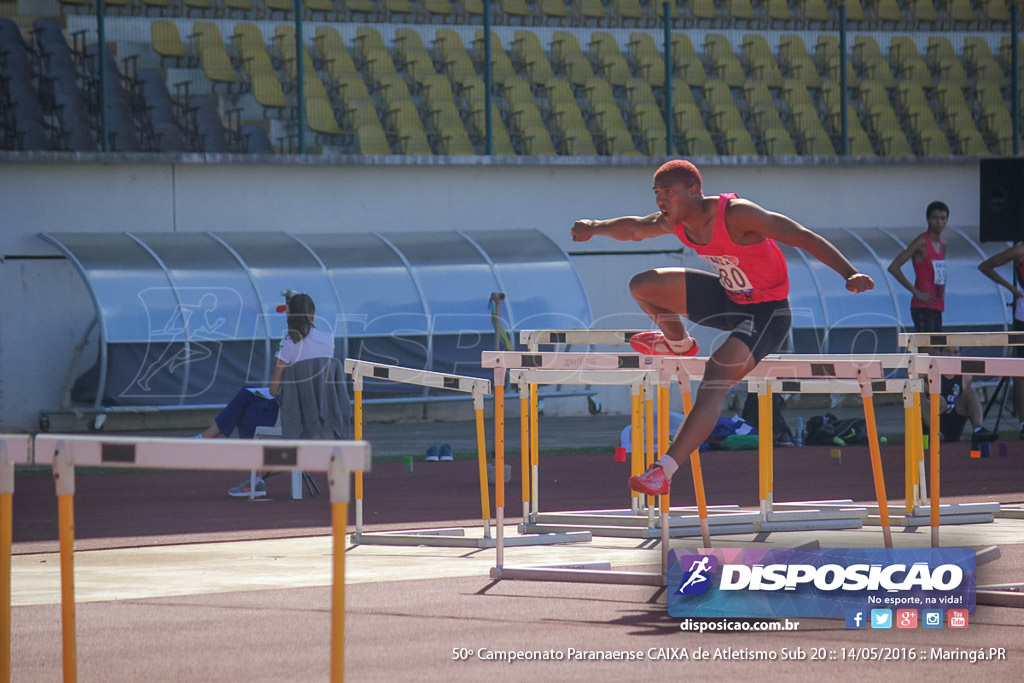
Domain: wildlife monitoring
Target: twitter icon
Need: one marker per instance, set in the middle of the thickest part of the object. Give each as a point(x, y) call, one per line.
point(881, 618)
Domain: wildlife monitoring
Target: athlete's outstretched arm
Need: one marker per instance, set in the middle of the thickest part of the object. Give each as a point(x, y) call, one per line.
point(751, 218)
point(624, 229)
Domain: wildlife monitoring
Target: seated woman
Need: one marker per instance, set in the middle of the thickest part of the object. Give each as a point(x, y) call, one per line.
point(258, 407)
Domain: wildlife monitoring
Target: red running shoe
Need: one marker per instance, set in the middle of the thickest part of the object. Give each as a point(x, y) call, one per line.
point(652, 482)
point(653, 343)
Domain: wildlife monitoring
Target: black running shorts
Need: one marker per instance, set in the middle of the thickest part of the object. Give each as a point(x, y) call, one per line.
point(762, 327)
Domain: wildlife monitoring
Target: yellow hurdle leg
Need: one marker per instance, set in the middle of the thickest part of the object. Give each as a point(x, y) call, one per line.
point(909, 460)
point(66, 523)
point(876, 467)
point(499, 468)
point(534, 449)
point(649, 438)
point(357, 417)
point(524, 452)
point(636, 433)
point(6, 538)
point(766, 466)
point(339, 522)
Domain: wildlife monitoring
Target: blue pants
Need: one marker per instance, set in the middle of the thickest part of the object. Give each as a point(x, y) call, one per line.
point(245, 412)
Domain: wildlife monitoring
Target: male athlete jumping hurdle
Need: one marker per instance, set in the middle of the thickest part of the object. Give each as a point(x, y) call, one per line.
point(746, 297)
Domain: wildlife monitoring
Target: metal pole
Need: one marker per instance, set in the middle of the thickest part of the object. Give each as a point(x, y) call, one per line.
point(843, 100)
point(669, 107)
point(101, 68)
point(300, 75)
point(488, 80)
point(1014, 78)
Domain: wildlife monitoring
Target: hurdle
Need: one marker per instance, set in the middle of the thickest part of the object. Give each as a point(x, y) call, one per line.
point(639, 520)
point(447, 537)
point(799, 367)
point(502, 362)
point(65, 452)
point(910, 514)
point(934, 367)
point(15, 449)
point(914, 342)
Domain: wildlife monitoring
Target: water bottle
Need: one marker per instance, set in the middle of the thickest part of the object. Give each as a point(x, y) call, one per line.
point(799, 431)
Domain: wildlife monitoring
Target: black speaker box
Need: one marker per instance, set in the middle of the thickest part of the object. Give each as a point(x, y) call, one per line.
point(1002, 200)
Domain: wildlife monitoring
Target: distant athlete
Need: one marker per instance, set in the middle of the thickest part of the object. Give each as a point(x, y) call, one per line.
point(928, 252)
point(746, 296)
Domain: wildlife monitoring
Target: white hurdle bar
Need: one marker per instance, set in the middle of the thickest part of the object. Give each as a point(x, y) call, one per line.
point(532, 339)
point(446, 537)
point(15, 449)
point(337, 458)
point(934, 367)
point(800, 367)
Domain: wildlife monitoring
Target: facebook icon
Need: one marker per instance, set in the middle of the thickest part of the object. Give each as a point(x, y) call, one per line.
point(856, 618)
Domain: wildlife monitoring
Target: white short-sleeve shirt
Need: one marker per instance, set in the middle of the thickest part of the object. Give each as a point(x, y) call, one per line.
point(317, 344)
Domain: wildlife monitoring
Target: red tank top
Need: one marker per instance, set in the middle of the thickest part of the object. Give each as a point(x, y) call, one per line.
point(750, 273)
point(930, 276)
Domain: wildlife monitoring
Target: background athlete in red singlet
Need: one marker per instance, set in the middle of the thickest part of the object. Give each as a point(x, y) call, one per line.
point(928, 252)
point(1014, 254)
point(747, 296)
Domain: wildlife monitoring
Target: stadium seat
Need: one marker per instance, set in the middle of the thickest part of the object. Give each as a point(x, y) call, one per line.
point(648, 59)
point(827, 53)
point(531, 58)
point(452, 54)
point(855, 13)
point(501, 66)
point(869, 60)
point(214, 60)
point(322, 120)
point(725, 65)
point(960, 12)
point(537, 141)
point(995, 11)
point(981, 63)
point(686, 64)
point(796, 61)
point(760, 60)
point(167, 43)
point(814, 12)
point(331, 50)
point(908, 63)
point(372, 138)
point(553, 12)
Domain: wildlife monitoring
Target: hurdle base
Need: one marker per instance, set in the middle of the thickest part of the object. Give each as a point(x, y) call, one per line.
point(612, 531)
point(624, 523)
point(949, 514)
point(1010, 512)
point(456, 538)
point(578, 575)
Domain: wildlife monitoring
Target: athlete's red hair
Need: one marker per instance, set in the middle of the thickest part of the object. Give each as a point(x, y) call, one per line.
point(679, 170)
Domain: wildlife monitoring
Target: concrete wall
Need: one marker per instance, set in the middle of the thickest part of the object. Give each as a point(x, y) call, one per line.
point(46, 309)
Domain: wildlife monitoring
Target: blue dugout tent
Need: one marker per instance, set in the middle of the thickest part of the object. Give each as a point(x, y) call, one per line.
point(185, 319)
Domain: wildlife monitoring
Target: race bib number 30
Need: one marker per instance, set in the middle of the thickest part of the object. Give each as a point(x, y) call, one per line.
point(939, 268)
point(730, 274)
